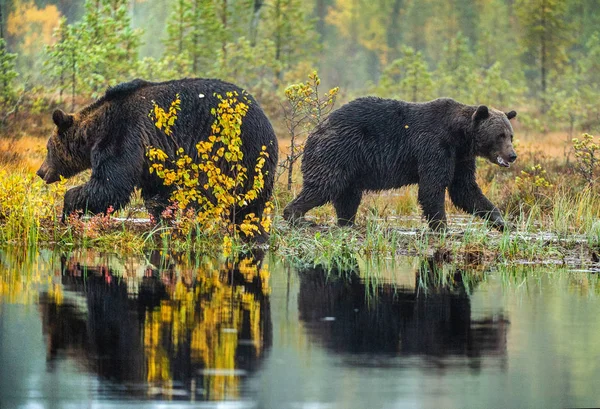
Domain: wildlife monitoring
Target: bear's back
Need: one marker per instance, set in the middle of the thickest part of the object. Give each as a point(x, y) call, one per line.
point(206, 87)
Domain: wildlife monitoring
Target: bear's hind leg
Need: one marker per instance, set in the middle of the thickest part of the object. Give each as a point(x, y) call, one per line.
point(306, 200)
point(155, 205)
point(346, 206)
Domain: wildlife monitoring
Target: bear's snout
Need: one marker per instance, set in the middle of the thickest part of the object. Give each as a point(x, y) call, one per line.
point(46, 175)
point(512, 157)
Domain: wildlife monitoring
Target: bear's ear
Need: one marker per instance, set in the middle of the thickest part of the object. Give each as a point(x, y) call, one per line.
point(511, 114)
point(62, 119)
point(482, 112)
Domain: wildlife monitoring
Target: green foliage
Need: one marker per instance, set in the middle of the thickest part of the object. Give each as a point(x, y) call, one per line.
point(66, 58)
point(195, 30)
point(290, 25)
point(111, 42)
point(160, 69)
point(494, 86)
point(255, 66)
point(546, 38)
point(456, 70)
point(25, 205)
point(532, 189)
point(247, 42)
point(7, 74)
point(98, 51)
point(407, 77)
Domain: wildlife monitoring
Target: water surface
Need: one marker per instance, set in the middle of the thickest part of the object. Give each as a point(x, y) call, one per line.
point(85, 329)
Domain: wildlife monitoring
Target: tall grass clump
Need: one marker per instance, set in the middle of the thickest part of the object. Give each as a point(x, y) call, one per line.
point(27, 204)
point(574, 212)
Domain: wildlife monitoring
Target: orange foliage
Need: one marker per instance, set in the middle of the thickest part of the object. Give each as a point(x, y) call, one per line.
point(33, 25)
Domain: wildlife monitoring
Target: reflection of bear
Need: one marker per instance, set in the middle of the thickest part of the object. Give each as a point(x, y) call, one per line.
point(111, 135)
point(349, 316)
point(109, 326)
point(373, 144)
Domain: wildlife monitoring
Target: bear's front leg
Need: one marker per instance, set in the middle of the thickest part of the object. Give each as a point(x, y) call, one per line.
point(94, 197)
point(431, 199)
point(72, 202)
point(467, 196)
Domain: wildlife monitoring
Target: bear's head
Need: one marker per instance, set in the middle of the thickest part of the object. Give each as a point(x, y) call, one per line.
point(67, 151)
point(493, 135)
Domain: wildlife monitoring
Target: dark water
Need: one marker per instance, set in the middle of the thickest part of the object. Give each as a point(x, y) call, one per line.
point(98, 331)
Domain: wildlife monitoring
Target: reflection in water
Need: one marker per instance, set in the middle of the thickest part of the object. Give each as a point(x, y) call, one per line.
point(432, 317)
point(86, 330)
point(188, 331)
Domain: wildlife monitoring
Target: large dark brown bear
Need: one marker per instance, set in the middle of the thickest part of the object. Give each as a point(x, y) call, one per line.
point(111, 136)
point(373, 144)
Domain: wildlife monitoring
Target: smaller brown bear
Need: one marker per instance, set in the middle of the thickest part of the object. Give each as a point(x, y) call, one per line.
point(373, 144)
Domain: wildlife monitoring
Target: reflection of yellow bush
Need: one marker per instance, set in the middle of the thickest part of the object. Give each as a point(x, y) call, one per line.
point(207, 310)
point(218, 183)
point(211, 314)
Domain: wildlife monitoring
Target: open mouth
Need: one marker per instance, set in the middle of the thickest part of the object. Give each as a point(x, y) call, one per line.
point(502, 162)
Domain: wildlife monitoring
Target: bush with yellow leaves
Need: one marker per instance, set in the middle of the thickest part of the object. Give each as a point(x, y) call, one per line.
point(533, 189)
point(216, 185)
point(587, 158)
point(304, 109)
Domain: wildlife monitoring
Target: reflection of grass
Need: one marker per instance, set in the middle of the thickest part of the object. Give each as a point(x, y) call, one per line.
point(23, 274)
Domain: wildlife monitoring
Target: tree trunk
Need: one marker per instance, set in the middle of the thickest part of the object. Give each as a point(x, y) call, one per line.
point(1, 20)
point(4, 82)
point(195, 40)
point(393, 33)
point(292, 160)
point(278, 28)
point(254, 23)
point(180, 39)
point(543, 57)
point(321, 14)
point(73, 78)
point(224, 22)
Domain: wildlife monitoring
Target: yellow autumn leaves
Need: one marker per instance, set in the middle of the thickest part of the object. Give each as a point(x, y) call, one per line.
point(217, 183)
point(165, 119)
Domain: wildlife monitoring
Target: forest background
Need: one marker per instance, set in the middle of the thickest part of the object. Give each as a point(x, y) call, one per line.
point(541, 56)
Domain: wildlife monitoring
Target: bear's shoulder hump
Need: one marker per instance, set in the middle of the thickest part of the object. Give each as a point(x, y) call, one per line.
point(126, 88)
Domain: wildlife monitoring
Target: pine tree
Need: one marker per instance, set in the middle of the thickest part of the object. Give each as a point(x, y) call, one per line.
point(546, 38)
point(111, 42)
point(96, 52)
point(407, 77)
point(7, 74)
point(65, 59)
point(291, 26)
point(456, 69)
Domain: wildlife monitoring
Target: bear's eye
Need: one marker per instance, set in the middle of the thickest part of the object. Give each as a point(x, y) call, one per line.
point(501, 136)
